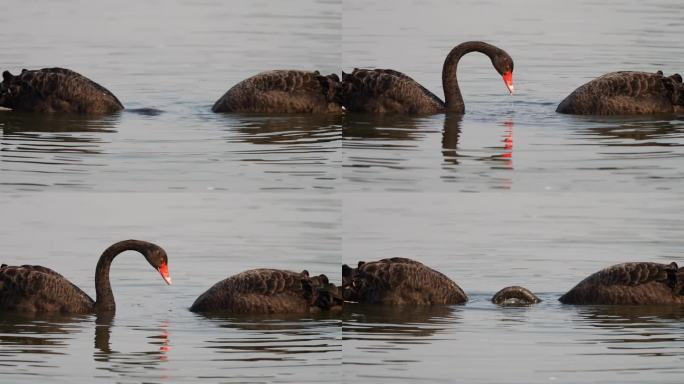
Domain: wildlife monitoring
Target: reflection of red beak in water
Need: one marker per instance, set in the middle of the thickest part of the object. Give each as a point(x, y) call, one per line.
point(164, 272)
point(508, 79)
point(508, 142)
point(164, 348)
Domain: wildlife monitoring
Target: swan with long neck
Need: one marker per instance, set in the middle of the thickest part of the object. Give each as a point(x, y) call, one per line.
point(390, 91)
point(33, 288)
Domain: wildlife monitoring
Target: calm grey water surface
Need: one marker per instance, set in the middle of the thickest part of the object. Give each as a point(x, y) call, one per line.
point(557, 197)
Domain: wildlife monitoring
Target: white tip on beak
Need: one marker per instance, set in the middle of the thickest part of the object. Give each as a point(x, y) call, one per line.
point(511, 89)
point(167, 279)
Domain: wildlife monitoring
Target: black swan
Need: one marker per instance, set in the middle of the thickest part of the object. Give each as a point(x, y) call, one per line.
point(515, 295)
point(399, 281)
point(32, 288)
point(630, 283)
point(626, 93)
point(266, 291)
point(55, 90)
point(283, 91)
point(389, 91)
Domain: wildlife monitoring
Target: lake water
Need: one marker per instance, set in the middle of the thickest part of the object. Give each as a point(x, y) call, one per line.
point(510, 193)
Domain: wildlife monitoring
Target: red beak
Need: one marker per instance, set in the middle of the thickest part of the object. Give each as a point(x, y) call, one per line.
point(164, 271)
point(508, 79)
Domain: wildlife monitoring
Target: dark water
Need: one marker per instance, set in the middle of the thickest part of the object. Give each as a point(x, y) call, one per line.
point(510, 193)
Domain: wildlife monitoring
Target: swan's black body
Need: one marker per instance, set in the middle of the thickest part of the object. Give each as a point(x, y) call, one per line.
point(283, 91)
point(55, 90)
point(399, 281)
point(630, 283)
point(263, 291)
point(626, 93)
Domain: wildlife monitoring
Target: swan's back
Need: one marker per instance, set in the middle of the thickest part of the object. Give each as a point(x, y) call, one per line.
point(626, 93)
point(386, 91)
point(56, 90)
point(630, 283)
point(263, 291)
point(32, 288)
point(399, 281)
point(515, 295)
point(283, 91)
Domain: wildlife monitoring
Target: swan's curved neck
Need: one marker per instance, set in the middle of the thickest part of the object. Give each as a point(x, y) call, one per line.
point(452, 93)
point(104, 297)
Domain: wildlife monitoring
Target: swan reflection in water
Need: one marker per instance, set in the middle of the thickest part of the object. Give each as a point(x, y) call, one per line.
point(399, 143)
point(126, 363)
point(28, 340)
point(371, 127)
point(14, 122)
point(158, 340)
point(502, 158)
point(398, 325)
point(643, 330)
point(366, 131)
point(248, 338)
point(26, 136)
point(289, 129)
point(631, 316)
point(507, 153)
point(450, 136)
point(67, 144)
point(633, 132)
point(39, 334)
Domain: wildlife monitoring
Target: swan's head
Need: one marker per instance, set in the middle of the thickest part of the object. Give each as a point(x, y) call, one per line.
point(503, 64)
point(157, 258)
